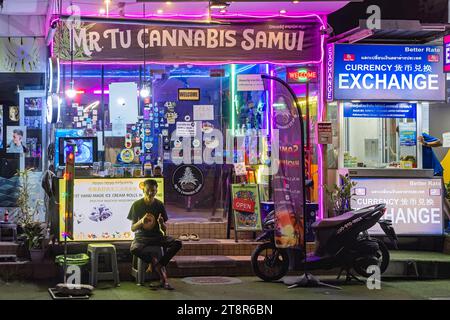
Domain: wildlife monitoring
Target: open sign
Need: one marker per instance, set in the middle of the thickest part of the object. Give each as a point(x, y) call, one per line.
point(243, 205)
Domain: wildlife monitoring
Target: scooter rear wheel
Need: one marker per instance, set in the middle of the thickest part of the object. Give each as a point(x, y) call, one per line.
point(269, 262)
point(382, 257)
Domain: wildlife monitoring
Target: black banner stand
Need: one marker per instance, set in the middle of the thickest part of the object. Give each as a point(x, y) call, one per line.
point(307, 280)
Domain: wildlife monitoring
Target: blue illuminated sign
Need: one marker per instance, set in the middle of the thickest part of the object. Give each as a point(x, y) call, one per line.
point(380, 110)
point(389, 72)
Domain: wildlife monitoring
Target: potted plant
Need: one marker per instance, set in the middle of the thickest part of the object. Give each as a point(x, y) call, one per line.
point(341, 195)
point(33, 236)
point(33, 231)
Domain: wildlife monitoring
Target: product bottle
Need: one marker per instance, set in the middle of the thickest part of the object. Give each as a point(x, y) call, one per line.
point(6, 215)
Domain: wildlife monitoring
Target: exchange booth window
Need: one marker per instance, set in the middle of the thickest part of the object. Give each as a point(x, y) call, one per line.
point(380, 135)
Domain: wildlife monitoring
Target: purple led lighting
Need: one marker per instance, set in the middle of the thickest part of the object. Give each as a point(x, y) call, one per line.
point(207, 16)
point(320, 148)
point(212, 63)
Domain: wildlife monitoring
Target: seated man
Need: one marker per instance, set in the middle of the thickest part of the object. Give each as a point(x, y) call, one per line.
point(148, 216)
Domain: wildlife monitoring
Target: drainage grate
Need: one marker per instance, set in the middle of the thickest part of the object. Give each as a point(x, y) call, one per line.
point(211, 280)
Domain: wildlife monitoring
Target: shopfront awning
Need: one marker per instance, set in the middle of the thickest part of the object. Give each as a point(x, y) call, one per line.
point(395, 32)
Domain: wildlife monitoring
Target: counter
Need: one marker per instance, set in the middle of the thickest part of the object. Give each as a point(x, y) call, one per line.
point(413, 198)
point(101, 207)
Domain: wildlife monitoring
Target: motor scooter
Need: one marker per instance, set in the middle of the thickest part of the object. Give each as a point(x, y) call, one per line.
point(340, 242)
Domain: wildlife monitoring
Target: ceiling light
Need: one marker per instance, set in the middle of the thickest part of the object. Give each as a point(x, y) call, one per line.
point(160, 11)
point(223, 11)
point(168, 2)
point(145, 91)
point(295, 2)
point(218, 5)
point(102, 11)
point(282, 11)
point(71, 92)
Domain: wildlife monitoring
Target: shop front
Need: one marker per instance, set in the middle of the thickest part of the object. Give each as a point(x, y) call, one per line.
point(383, 94)
point(183, 103)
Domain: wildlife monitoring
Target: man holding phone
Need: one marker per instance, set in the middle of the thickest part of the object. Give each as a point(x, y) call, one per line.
point(148, 217)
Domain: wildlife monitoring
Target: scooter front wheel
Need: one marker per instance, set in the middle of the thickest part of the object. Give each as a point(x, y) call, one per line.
point(269, 262)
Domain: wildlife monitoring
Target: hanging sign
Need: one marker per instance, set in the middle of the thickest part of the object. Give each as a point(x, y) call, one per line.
point(330, 73)
point(269, 41)
point(388, 72)
point(188, 94)
point(324, 133)
point(380, 110)
point(302, 75)
point(247, 216)
point(217, 73)
point(249, 82)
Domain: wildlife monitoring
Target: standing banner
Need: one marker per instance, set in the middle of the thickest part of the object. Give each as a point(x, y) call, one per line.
point(389, 72)
point(289, 173)
point(101, 207)
point(246, 211)
point(276, 41)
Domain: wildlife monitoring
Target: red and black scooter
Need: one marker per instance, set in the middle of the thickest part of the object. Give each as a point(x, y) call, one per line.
point(341, 242)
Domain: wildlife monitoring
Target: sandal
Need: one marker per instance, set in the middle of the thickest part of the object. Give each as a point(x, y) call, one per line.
point(156, 286)
point(167, 286)
point(184, 237)
point(194, 237)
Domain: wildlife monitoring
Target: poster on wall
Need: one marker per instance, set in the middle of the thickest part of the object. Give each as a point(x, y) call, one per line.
point(246, 210)
point(388, 72)
point(408, 144)
point(14, 113)
point(23, 54)
point(101, 207)
point(33, 104)
point(16, 137)
point(187, 180)
point(123, 106)
point(413, 205)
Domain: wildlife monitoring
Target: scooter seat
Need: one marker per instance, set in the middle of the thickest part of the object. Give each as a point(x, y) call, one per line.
point(333, 222)
point(342, 219)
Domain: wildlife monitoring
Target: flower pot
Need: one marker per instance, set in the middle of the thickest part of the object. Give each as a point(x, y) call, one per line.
point(37, 255)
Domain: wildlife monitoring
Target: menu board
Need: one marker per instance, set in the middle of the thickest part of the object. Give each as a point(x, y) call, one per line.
point(101, 207)
point(246, 211)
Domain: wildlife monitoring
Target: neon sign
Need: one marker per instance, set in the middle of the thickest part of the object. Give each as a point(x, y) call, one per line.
point(301, 75)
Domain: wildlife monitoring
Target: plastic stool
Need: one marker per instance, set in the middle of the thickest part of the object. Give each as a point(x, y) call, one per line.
point(139, 267)
point(94, 250)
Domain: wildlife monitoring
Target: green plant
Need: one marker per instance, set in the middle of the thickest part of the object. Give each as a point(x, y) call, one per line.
point(341, 195)
point(33, 235)
point(447, 194)
point(33, 230)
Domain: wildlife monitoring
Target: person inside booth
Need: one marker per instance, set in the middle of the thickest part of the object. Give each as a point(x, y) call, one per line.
point(148, 216)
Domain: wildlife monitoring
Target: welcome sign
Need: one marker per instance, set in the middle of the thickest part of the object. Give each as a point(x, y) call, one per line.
point(275, 41)
point(388, 72)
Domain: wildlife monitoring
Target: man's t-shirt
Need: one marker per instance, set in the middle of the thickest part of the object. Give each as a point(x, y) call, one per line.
point(429, 158)
point(138, 211)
